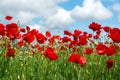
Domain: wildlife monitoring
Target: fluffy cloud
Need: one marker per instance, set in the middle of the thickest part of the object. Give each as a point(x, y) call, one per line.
point(116, 7)
point(28, 9)
point(25, 17)
point(91, 9)
point(25, 11)
point(62, 18)
point(38, 27)
point(53, 15)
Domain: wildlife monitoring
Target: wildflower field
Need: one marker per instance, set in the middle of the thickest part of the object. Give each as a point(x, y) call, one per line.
point(27, 54)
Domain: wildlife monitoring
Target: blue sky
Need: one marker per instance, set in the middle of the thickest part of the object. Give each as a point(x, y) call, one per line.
point(59, 15)
point(113, 21)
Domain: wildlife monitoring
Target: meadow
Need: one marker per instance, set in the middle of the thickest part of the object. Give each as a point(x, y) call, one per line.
point(27, 54)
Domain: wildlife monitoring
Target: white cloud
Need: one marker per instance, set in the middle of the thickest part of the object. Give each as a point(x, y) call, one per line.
point(116, 7)
point(53, 15)
point(38, 27)
point(25, 17)
point(61, 19)
point(42, 8)
point(26, 11)
point(91, 9)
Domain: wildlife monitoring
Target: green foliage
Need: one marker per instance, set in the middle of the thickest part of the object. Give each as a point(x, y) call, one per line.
point(37, 67)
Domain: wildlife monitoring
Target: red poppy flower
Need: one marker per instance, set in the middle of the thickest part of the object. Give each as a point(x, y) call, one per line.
point(96, 36)
point(115, 37)
point(51, 40)
point(51, 54)
point(77, 58)
point(115, 31)
point(10, 53)
point(110, 63)
point(101, 49)
point(22, 29)
point(89, 35)
point(2, 29)
point(28, 28)
point(95, 26)
point(8, 17)
point(66, 32)
point(85, 33)
point(77, 33)
point(28, 37)
point(57, 37)
point(34, 31)
point(21, 42)
point(83, 40)
point(41, 38)
point(111, 50)
point(82, 61)
point(74, 58)
point(106, 29)
point(98, 32)
point(75, 42)
point(13, 28)
point(48, 34)
point(115, 34)
point(66, 39)
point(88, 51)
point(12, 31)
